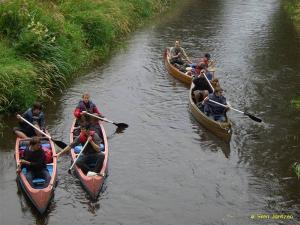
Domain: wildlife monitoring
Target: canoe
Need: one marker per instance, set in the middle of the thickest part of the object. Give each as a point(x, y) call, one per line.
point(39, 196)
point(174, 71)
point(92, 184)
point(220, 129)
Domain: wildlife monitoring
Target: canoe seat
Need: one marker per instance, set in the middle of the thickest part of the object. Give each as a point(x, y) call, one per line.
point(78, 148)
point(38, 181)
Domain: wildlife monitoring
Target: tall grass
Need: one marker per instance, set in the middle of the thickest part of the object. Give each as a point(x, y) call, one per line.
point(43, 43)
point(296, 167)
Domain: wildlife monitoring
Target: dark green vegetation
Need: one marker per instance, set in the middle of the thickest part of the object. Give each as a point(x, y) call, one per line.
point(44, 43)
point(293, 9)
point(296, 103)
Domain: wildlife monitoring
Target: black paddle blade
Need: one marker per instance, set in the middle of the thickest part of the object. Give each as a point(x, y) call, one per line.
point(121, 125)
point(253, 117)
point(60, 144)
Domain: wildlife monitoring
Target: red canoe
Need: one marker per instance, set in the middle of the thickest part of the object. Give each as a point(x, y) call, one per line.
point(92, 184)
point(40, 197)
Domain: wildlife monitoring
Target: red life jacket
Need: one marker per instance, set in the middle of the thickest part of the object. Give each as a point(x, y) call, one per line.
point(83, 138)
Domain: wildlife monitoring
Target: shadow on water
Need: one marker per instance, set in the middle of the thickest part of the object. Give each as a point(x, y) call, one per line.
point(206, 137)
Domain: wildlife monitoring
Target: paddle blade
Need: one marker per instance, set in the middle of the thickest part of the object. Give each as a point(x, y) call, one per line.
point(121, 125)
point(253, 117)
point(60, 144)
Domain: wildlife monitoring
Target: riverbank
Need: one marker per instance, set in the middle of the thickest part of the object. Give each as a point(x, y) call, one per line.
point(293, 10)
point(44, 44)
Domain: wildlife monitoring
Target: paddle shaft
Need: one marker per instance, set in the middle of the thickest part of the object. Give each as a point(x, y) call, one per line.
point(100, 118)
point(209, 83)
point(79, 155)
point(34, 127)
point(225, 106)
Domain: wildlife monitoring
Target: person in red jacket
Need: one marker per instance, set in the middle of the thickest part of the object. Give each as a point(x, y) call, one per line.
point(86, 105)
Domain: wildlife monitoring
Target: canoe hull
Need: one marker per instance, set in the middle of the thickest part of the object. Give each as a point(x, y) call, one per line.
point(40, 198)
point(92, 184)
point(222, 130)
point(174, 71)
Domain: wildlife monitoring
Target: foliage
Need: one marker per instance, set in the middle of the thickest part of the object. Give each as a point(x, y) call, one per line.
point(296, 103)
point(296, 167)
point(43, 43)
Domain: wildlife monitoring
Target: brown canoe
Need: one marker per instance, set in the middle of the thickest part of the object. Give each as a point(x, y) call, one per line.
point(220, 129)
point(174, 71)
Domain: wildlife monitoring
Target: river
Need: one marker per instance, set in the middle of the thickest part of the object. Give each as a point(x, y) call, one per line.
point(165, 168)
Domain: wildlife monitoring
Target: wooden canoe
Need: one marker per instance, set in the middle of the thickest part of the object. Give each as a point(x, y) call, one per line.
point(220, 129)
point(92, 184)
point(40, 197)
point(174, 71)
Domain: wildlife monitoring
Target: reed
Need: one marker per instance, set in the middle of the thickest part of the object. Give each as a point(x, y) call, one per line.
point(44, 43)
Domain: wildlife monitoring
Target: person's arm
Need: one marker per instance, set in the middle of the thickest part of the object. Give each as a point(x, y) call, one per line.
point(69, 147)
point(77, 113)
point(173, 54)
point(185, 56)
point(95, 142)
point(97, 112)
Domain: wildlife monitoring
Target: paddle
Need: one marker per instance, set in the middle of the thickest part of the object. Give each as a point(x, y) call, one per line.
point(58, 143)
point(78, 156)
point(247, 114)
point(119, 125)
point(209, 82)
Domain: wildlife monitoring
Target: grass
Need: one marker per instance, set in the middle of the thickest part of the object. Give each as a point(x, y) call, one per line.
point(44, 43)
point(296, 103)
point(296, 167)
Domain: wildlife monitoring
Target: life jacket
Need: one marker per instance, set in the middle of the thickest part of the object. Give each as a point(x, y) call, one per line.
point(83, 138)
point(89, 107)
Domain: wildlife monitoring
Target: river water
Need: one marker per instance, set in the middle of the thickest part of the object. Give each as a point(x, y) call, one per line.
point(165, 168)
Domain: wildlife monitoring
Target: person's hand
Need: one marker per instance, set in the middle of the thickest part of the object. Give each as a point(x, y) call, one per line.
point(206, 99)
point(22, 161)
point(89, 138)
point(18, 170)
point(83, 113)
point(18, 116)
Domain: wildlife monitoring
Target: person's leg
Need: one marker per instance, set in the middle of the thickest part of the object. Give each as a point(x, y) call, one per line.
point(45, 175)
point(19, 132)
point(82, 164)
point(29, 177)
point(99, 162)
point(36, 132)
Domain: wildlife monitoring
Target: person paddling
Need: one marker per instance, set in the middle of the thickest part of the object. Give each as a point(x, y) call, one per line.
point(201, 88)
point(33, 115)
point(86, 105)
point(214, 111)
point(34, 161)
point(92, 158)
point(178, 55)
